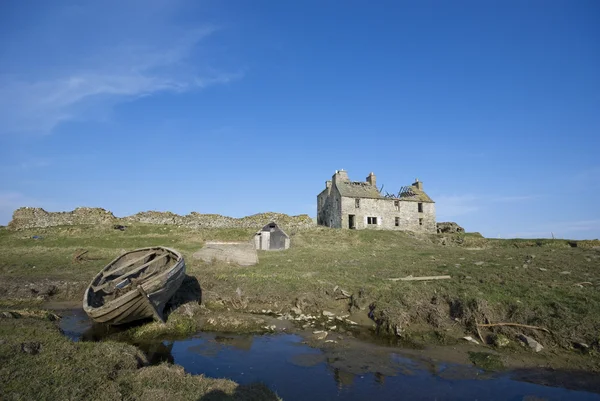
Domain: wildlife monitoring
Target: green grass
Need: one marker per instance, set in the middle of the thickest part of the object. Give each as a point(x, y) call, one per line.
point(508, 286)
point(65, 370)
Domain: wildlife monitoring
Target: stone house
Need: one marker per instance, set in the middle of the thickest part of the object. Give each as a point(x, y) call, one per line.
point(360, 205)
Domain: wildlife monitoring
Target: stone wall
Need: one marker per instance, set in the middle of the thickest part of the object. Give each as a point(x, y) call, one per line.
point(27, 217)
point(329, 208)
point(386, 212)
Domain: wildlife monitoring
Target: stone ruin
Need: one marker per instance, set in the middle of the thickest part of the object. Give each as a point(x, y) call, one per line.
point(28, 217)
point(449, 227)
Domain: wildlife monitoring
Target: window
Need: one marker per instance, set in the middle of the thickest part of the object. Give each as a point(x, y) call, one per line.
point(357, 203)
point(420, 208)
point(371, 220)
point(420, 222)
point(397, 205)
point(397, 222)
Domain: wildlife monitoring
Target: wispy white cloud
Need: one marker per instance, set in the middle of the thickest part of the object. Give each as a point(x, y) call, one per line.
point(165, 61)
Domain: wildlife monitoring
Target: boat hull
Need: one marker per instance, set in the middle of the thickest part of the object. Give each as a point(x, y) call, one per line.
point(135, 304)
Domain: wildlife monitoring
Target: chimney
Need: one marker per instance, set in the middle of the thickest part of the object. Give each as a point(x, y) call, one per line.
point(328, 184)
point(418, 184)
point(371, 179)
point(340, 175)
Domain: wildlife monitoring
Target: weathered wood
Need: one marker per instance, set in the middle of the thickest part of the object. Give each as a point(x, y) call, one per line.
point(515, 324)
point(110, 273)
point(145, 296)
point(423, 278)
point(160, 282)
point(128, 274)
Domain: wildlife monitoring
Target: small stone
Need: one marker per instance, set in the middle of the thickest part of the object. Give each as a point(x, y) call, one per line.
point(32, 348)
point(457, 265)
point(534, 345)
point(296, 311)
point(320, 334)
point(339, 319)
point(331, 341)
point(581, 346)
point(351, 322)
point(471, 339)
point(525, 266)
point(331, 328)
point(480, 263)
point(543, 270)
point(565, 272)
point(326, 313)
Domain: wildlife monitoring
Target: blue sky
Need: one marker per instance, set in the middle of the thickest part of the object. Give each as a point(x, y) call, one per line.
point(241, 107)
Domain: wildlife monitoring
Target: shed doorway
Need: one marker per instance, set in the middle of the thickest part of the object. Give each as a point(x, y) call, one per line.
point(351, 222)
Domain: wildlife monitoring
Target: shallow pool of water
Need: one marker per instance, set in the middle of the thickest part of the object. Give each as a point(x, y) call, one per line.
point(297, 371)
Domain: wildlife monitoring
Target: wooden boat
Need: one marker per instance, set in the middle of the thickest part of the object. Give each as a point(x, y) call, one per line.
point(134, 286)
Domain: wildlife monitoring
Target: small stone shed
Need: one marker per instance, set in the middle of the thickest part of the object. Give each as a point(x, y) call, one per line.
point(271, 238)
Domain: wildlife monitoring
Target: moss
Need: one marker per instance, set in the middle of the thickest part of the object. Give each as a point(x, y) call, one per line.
point(486, 361)
point(62, 369)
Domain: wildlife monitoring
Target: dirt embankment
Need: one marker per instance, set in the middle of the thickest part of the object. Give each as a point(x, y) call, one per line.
point(28, 217)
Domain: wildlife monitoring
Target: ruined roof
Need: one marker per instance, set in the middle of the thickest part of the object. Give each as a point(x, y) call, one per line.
point(419, 196)
point(355, 189)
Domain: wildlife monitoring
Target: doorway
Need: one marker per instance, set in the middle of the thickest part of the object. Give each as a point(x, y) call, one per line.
point(351, 224)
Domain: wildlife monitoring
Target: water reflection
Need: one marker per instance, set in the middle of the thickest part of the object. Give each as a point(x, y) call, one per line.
point(358, 371)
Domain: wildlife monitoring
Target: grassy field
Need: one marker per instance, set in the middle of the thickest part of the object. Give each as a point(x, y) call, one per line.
point(553, 284)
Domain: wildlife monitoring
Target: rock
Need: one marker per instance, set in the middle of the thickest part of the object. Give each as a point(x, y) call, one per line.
point(471, 340)
point(10, 315)
point(479, 263)
point(543, 270)
point(449, 227)
point(531, 343)
point(32, 348)
point(499, 340)
point(328, 314)
point(565, 272)
point(320, 334)
point(297, 311)
point(331, 328)
point(581, 346)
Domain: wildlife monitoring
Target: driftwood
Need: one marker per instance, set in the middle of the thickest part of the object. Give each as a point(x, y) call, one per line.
point(516, 325)
point(79, 256)
point(423, 278)
point(479, 332)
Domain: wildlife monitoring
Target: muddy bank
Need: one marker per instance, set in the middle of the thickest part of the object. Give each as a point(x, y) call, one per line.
point(355, 368)
point(336, 317)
